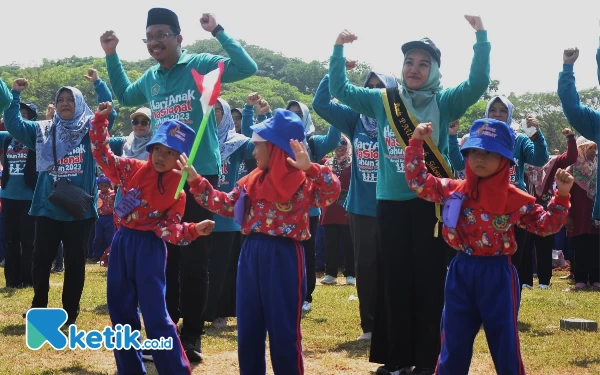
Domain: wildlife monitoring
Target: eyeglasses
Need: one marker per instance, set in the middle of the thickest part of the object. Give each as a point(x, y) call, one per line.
point(159, 38)
point(377, 86)
point(142, 123)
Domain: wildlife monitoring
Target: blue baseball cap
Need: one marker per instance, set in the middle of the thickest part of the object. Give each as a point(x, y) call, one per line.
point(102, 179)
point(492, 136)
point(280, 130)
point(175, 135)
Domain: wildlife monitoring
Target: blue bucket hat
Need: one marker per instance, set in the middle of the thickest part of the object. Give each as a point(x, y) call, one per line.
point(175, 135)
point(492, 136)
point(32, 108)
point(102, 179)
point(280, 130)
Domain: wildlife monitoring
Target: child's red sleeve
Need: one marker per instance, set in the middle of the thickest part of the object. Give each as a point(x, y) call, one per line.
point(117, 169)
point(534, 219)
point(422, 183)
point(325, 185)
point(172, 230)
point(214, 200)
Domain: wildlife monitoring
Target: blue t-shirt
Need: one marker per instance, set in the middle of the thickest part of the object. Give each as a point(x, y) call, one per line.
point(16, 153)
point(230, 174)
point(361, 199)
point(78, 165)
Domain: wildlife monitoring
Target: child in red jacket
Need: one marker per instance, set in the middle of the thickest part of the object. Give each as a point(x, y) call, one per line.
point(149, 215)
point(271, 204)
point(479, 216)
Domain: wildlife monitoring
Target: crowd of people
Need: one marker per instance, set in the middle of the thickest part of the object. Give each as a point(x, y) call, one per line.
point(390, 185)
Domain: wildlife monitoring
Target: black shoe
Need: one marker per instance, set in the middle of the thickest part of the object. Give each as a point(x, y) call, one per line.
point(67, 324)
point(147, 355)
point(58, 269)
point(192, 349)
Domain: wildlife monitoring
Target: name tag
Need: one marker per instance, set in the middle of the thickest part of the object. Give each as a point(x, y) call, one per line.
point(452, 210)
point(128, 203)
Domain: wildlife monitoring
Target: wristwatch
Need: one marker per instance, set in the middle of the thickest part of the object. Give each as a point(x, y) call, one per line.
point(216, 30)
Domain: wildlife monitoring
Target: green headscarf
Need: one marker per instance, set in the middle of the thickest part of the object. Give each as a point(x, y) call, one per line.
point(421, 103)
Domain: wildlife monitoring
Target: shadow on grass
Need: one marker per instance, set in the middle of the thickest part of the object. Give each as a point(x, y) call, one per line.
point(13, 330)
point(8, 292)
point(354, 348)
point(524, 327)
point(307, 317)
point(78, 369)
point(101, 309)
point(585, 363)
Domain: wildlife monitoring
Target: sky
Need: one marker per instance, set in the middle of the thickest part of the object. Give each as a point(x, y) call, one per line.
point(527, 36)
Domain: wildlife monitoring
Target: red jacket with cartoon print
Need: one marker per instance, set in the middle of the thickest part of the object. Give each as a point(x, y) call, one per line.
point(167, 224)
point(290, 220)
point(478, 232)
point(106, 202)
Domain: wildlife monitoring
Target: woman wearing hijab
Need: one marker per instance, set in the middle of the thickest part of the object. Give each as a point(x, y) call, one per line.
point(235, 148)
point(540, 184)
point(406, 324)
point(581, 228)
point(70, 127)
point(361, 202)
point(318, 146)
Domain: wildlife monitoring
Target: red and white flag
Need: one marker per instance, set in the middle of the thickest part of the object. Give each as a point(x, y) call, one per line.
point(209, 86)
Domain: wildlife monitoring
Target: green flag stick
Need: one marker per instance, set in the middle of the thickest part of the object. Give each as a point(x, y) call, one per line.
point(195, 147)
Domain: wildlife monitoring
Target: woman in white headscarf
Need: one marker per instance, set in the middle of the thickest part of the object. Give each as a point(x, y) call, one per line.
point(63, 151)
point(235, 148)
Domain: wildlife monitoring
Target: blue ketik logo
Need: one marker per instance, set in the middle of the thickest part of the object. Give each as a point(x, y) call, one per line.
point(43, 325)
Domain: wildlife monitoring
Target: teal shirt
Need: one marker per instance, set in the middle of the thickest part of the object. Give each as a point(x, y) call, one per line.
point(584, 119)
point(452, 102)
point(530, 152)
point(79, 162)
point(361, 199)
point(5, 96)
point(173, 95)
point(230, 174)
point(16, 153)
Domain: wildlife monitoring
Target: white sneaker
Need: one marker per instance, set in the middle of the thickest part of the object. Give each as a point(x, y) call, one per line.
point(544, 287)
point(219, 323)
point(306, 306)
point(350, 280)
point(527, 286)
point(365, 337)
point(329, 280)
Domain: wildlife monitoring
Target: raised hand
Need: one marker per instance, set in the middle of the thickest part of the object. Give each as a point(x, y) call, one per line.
point(564, 182)
point(302, 161)
point(20, 84)
point(351, 64)
point(205, 227)
point(208, 22)
point(50, 112)
point(423, 131)
point(475, 22)
point(263, 107)
point(104, 109)
point(253, 99)
point(570, 55)
point(453, 129)
point(183, 165)
point(92, 75)
point(109, 42)
point(568, 132)
point(345, 37)
point(532, 121)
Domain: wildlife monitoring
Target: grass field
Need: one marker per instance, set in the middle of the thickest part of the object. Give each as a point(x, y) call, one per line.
point(330, 331)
